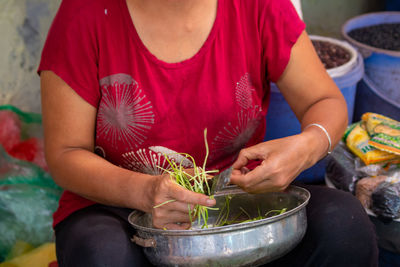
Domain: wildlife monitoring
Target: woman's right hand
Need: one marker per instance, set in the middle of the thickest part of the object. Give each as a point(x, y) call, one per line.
point(173, 215)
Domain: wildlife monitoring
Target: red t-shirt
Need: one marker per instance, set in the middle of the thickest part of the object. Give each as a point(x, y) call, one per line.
point(147, 107)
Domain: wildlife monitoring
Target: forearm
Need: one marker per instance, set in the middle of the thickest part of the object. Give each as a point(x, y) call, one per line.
point(313, 97)
point(330, 113)
point(86, 174)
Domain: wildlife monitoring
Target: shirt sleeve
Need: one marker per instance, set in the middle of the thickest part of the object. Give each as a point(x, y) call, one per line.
point(71, 50)
point(281, 26)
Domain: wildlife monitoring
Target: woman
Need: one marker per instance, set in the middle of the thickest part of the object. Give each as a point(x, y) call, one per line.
point(124, 81)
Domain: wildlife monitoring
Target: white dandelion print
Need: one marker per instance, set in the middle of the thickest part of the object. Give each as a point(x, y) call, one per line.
point(237, 133)
point(173, 155)
point(244, 90)
point(234, 136)
point(152, 161)
point(125, 115)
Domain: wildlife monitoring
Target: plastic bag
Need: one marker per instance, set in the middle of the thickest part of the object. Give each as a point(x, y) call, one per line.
point(386, 199)
point(28, 194)
point(28, 198)
point(344, 169)
point(15, 171)
point(384, 132)
point(38, 257)
point(341, 168)
point(365, 187)
point(26, 214)
point(31, 123)
point(358, 140)
point(21, 135)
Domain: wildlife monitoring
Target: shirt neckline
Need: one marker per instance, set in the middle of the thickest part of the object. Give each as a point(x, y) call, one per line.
point(203, 49)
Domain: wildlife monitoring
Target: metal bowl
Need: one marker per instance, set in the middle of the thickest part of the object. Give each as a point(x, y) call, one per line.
point(245, 244)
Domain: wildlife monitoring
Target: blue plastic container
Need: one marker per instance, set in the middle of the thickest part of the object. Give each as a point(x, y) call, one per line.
point(370, 99)
point(282, 122)
point(388, 258)
point(381, 66)
point(393, 5)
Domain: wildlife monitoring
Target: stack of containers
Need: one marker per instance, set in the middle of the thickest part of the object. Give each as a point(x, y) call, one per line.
point(282, 122)
point(379, 90)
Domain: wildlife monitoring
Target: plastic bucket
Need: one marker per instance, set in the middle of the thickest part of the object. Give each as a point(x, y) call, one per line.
point(282, 122)
point(370, 99)
point(381, 66)
point(392, 5)
point(342, 70)
point(297, 6)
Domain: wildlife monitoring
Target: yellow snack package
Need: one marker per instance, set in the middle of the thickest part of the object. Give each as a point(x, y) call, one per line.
point(384, 132)
point(41, 256)
point(357, 140)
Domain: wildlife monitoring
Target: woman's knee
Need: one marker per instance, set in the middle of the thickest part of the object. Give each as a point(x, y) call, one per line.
point(343, 228)
point(97, 239)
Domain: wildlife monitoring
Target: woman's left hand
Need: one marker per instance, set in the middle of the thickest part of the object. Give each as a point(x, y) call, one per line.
point(281, 161)
point(312, 95)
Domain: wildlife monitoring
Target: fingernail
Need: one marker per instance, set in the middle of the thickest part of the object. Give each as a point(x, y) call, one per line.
point(210, 201)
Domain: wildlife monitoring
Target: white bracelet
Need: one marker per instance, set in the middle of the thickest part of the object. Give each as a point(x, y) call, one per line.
point(325, 131)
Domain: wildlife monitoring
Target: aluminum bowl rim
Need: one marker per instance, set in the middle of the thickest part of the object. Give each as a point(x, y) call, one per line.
point(222, 229)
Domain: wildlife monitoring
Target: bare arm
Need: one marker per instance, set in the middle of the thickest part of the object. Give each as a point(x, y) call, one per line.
point(314, 98)
point(69, 127)
point(310, 91)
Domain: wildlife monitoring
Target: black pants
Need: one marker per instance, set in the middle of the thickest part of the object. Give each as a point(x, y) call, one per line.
point(339, 233)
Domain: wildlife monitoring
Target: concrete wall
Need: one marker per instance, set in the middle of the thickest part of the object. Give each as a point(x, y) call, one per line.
point(326, 17)
point(23, 29)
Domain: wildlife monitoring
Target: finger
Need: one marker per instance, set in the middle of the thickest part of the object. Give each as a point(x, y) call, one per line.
point(273, 179)
point(245, 156)
point(270, 184)
point(181, 207)
point(250, 178)
point(186, 196)
point(241, 161)
point(236, 175)
point(176, 226)
point(160, 219)
point(240, 172)
point(264, 187)
point(259, 174)
point(171, 217)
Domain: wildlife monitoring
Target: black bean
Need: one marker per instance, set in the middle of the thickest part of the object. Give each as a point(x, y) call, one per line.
point(331, 55)
point(384, 36)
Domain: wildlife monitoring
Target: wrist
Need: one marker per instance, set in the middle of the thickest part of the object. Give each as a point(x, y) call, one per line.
point(139, 190)
point(327, 135)
point(149, 190)
point(317, 143)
